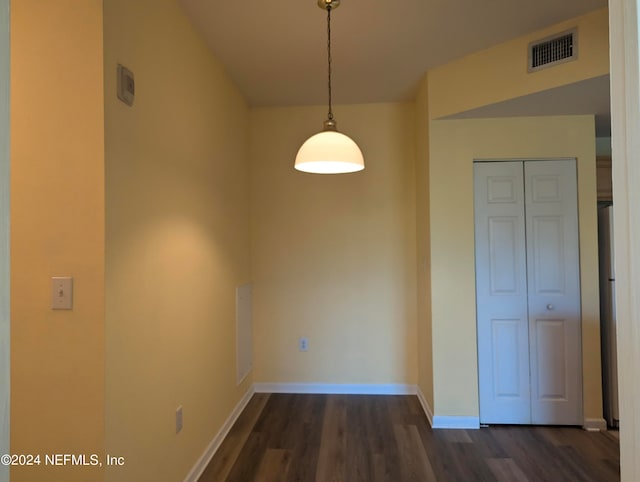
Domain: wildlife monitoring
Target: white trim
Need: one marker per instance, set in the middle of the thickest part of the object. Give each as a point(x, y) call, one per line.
point(455, 422)
point(624, 52)
point(214, 445)
point(595, 424)
point(425, 406)
point(337, 388)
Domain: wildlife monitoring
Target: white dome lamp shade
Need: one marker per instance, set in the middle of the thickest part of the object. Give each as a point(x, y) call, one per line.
point(329, 152)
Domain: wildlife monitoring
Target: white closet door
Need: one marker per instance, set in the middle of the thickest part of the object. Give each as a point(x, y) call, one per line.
point(554, 292)
point(501, 293)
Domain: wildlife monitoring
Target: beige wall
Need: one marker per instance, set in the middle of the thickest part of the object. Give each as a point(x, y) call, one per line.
point(177, 241)
point(57, 229)
point(334, 256)
point(5, 323)
point(500, 73)
point(453, 147)
point(423, 232)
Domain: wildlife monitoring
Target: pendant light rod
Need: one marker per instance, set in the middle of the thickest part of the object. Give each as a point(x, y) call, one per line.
point(330, 114)
point(329, 5)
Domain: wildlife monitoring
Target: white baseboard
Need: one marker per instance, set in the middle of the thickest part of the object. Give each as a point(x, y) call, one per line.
point(337, 388)
point(445, 421)
point(595, 424)
point(214, 445)
point(425, 406)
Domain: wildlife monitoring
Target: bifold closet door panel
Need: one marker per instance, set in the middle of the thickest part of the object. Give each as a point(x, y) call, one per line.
point(501, 293)
point(553, 272)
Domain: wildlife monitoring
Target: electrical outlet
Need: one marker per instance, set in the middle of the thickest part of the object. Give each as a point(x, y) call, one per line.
point(303, 344)
point(179, 419)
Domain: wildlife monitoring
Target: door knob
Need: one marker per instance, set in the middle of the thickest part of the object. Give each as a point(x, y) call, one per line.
point(550, 307)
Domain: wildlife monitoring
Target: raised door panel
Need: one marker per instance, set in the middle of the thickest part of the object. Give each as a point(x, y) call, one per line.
point(504, 272)
point(506, 359)
point(551, 360)
point(547, 236)
point(501, 293)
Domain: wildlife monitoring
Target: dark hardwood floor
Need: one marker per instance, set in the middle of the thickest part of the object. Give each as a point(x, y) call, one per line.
point(349, 438)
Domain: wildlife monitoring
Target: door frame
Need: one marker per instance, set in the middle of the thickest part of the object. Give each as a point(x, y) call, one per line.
point(5, 278)
point(624, 54)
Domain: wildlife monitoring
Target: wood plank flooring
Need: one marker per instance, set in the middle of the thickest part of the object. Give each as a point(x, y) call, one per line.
point(351, 438)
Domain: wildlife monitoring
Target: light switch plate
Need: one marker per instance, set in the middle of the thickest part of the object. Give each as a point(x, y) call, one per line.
point(61, 293)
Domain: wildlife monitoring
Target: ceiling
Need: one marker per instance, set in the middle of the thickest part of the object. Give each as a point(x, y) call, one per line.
point(589, 96)
point(276, 52)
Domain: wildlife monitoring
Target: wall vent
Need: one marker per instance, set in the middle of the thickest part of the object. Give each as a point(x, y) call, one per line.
point(553, 50)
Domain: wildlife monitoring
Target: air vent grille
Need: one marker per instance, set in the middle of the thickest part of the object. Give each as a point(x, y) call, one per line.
point(551, 51)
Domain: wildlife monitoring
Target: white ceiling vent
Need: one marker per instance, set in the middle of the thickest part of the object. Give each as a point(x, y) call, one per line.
point(553, 50)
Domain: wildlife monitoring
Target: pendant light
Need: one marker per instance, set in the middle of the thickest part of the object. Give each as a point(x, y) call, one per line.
point(329, 152)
